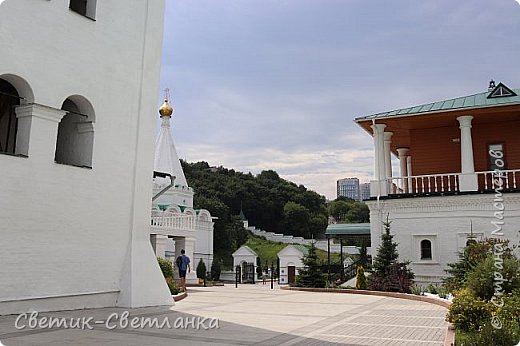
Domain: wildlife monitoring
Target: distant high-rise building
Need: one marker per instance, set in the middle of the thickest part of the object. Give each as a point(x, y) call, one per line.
point(348, 187)
point(364, 191)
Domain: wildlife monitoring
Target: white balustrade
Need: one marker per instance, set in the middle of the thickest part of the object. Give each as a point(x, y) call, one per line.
point(504, 179)
point(431, 183)
point(174, 221)
point(441, 183)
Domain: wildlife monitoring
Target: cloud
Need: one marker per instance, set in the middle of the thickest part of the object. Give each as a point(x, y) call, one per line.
point(276, 85)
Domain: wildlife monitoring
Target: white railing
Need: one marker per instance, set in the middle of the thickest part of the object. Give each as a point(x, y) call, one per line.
point(160, 186)
point(174, 222)
point(431, 183)
point(506, 179)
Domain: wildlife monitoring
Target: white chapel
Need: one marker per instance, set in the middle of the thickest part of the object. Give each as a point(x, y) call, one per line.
point(175, 224)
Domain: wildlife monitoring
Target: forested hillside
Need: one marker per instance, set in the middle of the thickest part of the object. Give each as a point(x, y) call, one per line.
point(268, 202)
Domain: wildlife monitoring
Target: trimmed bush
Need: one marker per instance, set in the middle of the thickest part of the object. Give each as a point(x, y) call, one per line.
point(361, 280)
point(467, 312)
point(172, 285)
point(397, 278)
point(481, 280)
point(201, 269)
point(215, 270)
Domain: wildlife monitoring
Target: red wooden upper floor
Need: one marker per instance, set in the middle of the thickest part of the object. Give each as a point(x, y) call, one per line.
point(448, 146)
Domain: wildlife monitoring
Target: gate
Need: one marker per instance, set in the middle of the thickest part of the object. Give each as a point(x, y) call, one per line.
point(248, 273)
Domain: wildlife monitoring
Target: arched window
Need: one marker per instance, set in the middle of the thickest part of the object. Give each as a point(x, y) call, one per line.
point(9, 99)
point(426, 249)
point(75, 133)
point(470, 242)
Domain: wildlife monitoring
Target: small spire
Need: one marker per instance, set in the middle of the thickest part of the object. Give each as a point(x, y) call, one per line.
point(166, 110)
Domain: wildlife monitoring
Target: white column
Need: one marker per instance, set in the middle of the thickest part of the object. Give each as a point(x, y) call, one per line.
point(160, 246)
point(37, 131)
point(403, 155)
point(468, 178)
point(388, 154)
point(376, 186)
point(409, 172)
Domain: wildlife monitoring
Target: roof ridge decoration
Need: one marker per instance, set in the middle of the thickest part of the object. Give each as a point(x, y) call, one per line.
point(501, 91)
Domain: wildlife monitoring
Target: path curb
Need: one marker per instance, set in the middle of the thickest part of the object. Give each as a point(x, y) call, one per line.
point(180, 296)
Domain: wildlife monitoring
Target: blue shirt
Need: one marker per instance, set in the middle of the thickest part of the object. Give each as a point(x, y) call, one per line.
point(182, 262)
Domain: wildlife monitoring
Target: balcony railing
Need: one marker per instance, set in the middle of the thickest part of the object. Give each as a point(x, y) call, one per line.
point(432, 183)
point(449, 182)
point(172, 221)
point(506, 179)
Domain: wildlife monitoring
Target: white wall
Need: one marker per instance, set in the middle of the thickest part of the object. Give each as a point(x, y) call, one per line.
point(67, 230)
point(292, 259)
point(445, 221)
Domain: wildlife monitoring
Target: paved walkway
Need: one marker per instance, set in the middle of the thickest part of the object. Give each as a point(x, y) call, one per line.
point(249, 315)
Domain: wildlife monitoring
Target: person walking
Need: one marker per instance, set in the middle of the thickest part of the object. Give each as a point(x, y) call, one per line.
point(183, 263)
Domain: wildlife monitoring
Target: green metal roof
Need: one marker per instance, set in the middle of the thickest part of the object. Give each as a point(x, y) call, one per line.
point(304, 249)
point(472, 101)
point(348, 229)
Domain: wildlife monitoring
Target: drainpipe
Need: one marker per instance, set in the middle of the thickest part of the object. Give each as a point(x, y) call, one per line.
point(163, 175)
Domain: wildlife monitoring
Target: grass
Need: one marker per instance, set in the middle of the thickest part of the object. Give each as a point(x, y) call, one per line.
point(267, 250)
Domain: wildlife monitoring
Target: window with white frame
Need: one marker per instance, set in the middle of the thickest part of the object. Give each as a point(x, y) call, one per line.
point(426, 249)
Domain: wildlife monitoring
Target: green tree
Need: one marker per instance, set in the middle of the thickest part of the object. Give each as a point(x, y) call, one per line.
point(310, 275)
point(296, 219)
point(358, 213)
point(389, 274)
point(339, 209)
point(386, 252)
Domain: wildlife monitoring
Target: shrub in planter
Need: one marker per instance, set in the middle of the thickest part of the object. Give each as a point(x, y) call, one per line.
point(172, 285)
point(201, 270)
point(470, 258)
point(467, 312)
point(166, 267)
point(417, 290)
point(481, 280)
point(215, 270)
point(361, 280)
point(397, 278)
point(487, 335)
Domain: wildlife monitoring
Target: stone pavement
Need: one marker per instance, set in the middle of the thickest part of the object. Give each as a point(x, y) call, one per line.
point(249, 315)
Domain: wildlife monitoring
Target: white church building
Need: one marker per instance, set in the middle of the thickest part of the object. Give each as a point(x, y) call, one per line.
point(78, 87)
point(175, 224)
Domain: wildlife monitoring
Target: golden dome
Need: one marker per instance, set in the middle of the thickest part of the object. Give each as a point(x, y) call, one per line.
point(166, 110)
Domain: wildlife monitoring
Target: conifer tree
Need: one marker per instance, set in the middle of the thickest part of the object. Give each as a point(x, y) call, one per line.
point(388, 273)
point(311, 275)
point(386, 252)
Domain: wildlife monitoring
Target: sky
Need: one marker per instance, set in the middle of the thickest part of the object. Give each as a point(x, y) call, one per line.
point(276, 84)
